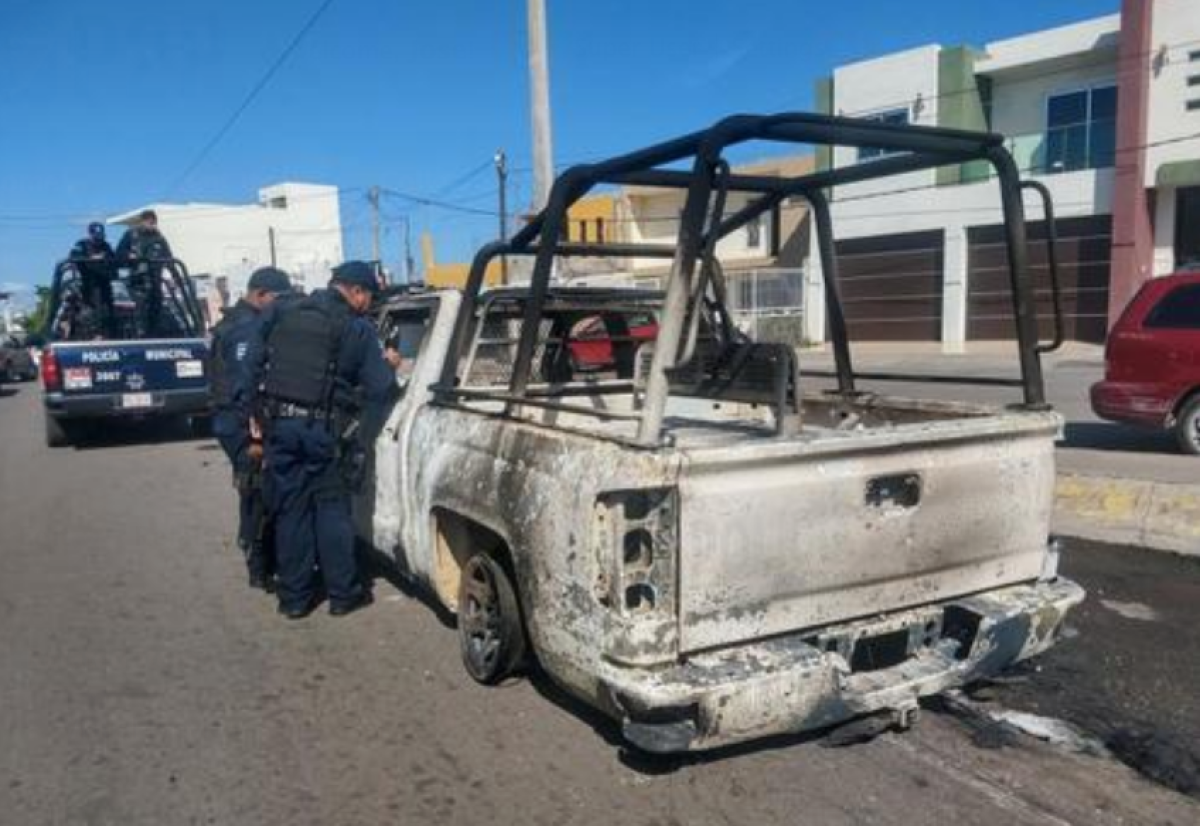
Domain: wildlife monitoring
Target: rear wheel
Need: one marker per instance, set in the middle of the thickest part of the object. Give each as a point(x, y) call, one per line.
point(1187, 426)
point(490, 631)
point(56, 432)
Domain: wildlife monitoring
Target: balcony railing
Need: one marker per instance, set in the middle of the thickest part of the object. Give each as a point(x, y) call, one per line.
point(1078, 146)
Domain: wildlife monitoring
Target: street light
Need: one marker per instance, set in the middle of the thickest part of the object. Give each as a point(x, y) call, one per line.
point(501, 162)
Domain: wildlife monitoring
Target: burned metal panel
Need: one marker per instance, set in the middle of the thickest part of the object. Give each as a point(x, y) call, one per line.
point(790, 684)
point(543, 491)
point(826, 546)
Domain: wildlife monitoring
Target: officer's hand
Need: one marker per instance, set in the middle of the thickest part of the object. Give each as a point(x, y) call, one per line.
point(255, 451)
point(392, 356)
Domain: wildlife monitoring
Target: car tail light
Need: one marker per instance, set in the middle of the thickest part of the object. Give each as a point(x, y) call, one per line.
point(51, 374)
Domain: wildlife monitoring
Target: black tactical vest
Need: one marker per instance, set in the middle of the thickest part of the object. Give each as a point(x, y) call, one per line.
point(220, 378)
point(302, 352)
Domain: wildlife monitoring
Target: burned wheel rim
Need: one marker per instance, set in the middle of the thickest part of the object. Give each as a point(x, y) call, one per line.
point(489, 621)
point(480, 617)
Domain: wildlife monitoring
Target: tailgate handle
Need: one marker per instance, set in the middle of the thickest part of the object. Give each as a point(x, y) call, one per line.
point(900, 490)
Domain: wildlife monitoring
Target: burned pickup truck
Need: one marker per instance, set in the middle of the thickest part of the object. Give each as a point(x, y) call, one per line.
point(698, 536)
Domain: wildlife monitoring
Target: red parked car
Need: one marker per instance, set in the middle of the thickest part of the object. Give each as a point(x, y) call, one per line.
point(1152, 361)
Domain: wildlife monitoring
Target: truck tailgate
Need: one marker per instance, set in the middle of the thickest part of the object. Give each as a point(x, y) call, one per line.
point(796, 534)
point(131, 370)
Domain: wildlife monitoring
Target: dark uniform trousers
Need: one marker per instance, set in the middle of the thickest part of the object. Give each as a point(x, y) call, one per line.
point(231, 434)
point(311, 509)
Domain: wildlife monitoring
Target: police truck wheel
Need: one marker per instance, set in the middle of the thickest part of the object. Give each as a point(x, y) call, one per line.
point(56, 433)
point(1187, 426)
point(489, 621)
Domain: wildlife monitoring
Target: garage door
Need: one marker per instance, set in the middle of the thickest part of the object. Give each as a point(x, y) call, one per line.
point(1084, 251)
point(892, 286)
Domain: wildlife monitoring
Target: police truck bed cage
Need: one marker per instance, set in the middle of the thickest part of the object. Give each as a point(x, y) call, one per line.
point(178, 298)
point(719, 361)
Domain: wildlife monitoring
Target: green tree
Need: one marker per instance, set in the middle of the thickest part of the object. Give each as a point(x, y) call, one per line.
point(36, 321)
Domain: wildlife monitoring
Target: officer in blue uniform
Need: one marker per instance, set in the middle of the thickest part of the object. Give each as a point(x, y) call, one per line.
point(95, 261)
point(320, 374)
point(231, 341)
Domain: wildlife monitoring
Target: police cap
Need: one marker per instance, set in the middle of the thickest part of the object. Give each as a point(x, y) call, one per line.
point(269, 280)
point(356, 274)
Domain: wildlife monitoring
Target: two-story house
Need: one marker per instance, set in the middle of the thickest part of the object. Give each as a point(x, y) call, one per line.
point(1106, 113)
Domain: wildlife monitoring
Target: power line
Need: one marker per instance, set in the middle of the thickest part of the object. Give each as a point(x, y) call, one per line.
point(425, 200)
point(468, 176)
point(249, 99)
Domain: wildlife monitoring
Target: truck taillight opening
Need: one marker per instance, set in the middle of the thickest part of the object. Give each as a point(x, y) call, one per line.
point(635, 535)
point(51, 374)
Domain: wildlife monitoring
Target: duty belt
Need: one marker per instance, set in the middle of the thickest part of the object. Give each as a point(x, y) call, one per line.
point(287, 410)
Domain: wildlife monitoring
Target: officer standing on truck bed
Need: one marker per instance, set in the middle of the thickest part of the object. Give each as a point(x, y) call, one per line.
point(94, 259)
point(143, 248)
point(320, 387)
point(231, 340)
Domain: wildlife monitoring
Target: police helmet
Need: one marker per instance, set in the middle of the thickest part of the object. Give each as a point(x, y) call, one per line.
point(269, 280)
point(95, 231)
point(356, 274)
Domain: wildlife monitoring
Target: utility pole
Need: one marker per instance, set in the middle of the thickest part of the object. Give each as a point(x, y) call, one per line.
point(271, 239)
point(501, 161)
point(373, 197)
point(539, 98)
point(408, 257)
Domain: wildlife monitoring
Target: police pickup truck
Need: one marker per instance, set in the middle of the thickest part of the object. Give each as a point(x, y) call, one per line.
point(141, 358)
point(697, 537)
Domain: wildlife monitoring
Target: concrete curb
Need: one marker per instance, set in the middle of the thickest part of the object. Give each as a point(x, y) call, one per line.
point(1160, 515)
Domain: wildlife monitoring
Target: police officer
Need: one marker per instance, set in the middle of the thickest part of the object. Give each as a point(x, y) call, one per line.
point(139, 248)
point(94, 259)
point(231, 341)
point(319, 373)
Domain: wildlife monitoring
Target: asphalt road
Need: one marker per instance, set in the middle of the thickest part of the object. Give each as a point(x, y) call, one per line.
point(142, 683)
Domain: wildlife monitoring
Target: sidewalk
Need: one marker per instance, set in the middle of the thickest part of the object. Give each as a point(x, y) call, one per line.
point(1115, 483)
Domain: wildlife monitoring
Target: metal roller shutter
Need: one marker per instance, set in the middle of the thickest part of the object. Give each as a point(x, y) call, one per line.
point(891, 286)
point(1084, 251)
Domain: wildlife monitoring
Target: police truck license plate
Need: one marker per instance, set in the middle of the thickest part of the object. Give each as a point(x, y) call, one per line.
point(136, 400)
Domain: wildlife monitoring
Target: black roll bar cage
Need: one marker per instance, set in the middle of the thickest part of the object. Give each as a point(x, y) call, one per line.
point(910, 148)
point(181, 291)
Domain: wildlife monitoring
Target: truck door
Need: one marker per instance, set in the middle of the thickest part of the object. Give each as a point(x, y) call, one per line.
point(418, 327)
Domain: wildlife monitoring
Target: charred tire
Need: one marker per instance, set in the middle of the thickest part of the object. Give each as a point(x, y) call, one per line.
point(490, 632)
point(1187, 426)
point(56, 432)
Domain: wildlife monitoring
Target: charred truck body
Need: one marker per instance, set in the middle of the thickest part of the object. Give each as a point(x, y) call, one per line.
point(703, 540)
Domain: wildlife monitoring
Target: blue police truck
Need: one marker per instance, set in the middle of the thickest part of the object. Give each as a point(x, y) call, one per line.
point(124, 340)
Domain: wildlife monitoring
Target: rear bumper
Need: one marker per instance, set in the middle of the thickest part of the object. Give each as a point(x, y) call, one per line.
point(1131, 403)
point(108, 405)
point(803, 682)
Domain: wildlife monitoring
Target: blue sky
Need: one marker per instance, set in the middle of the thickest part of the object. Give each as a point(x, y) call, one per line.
point(104, 106)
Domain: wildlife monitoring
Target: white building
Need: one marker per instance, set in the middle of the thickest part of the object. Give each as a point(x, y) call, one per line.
point(295, 226)
point(921, 256)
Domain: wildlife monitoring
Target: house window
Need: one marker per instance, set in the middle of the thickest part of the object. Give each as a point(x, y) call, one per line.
point(895, 117)
point(754, 233)
point(1081, 129)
